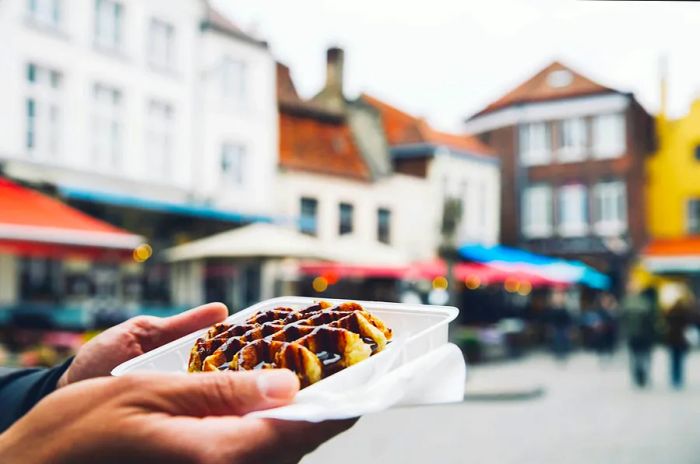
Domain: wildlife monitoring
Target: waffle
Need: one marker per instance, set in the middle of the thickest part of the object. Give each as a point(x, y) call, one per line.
point(314, 342)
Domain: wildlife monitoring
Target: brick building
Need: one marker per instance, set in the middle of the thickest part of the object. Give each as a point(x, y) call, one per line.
point(573, 154)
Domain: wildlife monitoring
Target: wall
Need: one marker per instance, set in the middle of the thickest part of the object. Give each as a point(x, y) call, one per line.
point(673, 173)
point(414, 217)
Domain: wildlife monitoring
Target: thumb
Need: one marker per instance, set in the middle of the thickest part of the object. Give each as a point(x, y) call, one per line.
point(156, 332)
point(226, 393)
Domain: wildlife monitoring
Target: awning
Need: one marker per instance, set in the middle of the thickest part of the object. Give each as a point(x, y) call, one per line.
point(260, 240)
point(554, 269)
point(480, 274)
point(34, 223)
point(679, 255)
point(334, 271)
point(193, 210)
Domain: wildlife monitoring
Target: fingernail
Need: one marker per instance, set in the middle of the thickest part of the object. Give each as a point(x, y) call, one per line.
point(278, 384)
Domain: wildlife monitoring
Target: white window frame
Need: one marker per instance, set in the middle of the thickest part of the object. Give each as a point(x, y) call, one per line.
point(43, 127)
point(161, 45)
point(692, 223)
point(160, 139)
point(540, 152)
point(48, 13)
point(234, 82)
point(234, 159)
point(572, 140)
point(107, 127)
point(572, 199)
point(537, 217)
point(108, 32)
point(610, 207)
point(609, 135)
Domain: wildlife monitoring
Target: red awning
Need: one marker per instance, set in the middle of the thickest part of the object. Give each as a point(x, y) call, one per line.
point(349, 271)
point(35, 224)
point(673, 255)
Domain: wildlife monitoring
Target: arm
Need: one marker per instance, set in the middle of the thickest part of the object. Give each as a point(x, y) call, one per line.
point(21, 389)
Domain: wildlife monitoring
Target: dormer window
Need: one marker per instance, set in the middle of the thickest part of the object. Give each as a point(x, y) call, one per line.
point(560, 78)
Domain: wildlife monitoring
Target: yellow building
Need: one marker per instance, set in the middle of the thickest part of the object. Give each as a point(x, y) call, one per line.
point(673, 196)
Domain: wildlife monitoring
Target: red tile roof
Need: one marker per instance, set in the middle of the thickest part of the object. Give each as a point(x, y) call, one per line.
point(324, 145)
point(538, 88)
point(402, 128)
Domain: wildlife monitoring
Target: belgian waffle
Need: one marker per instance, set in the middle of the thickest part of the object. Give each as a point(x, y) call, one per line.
point(314, 342)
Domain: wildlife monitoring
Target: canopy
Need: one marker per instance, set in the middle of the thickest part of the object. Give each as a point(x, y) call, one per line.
point(34, 223)
point(260, 240)
point(554, 269)
point(673, 255)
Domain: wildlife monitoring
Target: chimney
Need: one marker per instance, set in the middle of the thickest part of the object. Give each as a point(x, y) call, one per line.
point(335, 58)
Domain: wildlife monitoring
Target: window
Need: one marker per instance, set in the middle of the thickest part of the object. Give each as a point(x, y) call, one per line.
point(572, 140)
point(610, 208)
point(108, 23)
point(384, 225)
point(106, 127)
point(309, 216)
point(537, 211)
point(697, 153)
point(159, 138)
point(233, 164)
point(535, 144)
point(161, 45)
point(43, 112)
point(45, 12)
point(609, 135)
point(234, 81)
point(573, 210)
point(694, 216)
point(346, 211)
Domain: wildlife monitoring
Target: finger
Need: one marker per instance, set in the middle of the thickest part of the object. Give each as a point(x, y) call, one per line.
point(223, 393)
point(161, 331)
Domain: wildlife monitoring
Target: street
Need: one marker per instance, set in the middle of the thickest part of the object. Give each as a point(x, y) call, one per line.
point(587, 413)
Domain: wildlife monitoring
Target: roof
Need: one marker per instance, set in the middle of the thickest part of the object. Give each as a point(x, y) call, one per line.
point(254, 240)
point(29, 216)
point(315, 139)
point(542, 87)
point(405, 129)
point(219, 22)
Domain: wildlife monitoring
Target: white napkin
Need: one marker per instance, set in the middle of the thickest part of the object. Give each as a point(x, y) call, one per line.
point(436, 377)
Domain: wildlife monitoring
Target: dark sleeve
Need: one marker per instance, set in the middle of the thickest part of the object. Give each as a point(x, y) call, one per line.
point(21, 389)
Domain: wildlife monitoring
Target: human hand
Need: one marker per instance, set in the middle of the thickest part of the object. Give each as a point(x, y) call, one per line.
point(134, 337)
point(177, 418)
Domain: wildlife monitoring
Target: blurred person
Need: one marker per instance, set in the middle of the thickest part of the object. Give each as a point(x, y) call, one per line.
point(560, 322)
point(639, 321)
point(679, 318)
point(82, 414)
point(606, 327)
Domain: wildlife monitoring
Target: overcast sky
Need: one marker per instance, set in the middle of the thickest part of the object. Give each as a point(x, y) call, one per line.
point(445, 59)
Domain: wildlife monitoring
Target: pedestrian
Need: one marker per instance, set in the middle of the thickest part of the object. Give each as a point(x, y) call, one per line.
point(560, 323)
point(606, 327)
point(639, 321)
point(679, 319)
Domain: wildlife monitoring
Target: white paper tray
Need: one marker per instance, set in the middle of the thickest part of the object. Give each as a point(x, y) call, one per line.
point(417, 367)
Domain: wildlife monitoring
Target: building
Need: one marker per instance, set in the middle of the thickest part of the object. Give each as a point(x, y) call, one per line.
point(454, 166)
point(673, 196)
point(573, 153)
point(160, 119)
point(327, 179)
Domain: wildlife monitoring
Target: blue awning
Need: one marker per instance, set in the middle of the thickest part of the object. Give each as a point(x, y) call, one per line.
point(202, 211)
point(552, 268)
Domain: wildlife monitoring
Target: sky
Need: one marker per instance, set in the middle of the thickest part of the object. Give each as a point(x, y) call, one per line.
point(446, 59)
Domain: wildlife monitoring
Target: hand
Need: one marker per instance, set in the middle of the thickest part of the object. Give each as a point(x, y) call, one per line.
point(166, 418)
point(134, 337)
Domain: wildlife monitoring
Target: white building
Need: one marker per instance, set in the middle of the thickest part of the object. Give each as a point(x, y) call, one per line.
point(127, 102)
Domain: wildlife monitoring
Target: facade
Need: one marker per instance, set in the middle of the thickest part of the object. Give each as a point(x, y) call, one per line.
point(673, 196)
point(453, 166)
point(333, 173)
point(129, 102)
point(573, 153)
point(142, 114)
